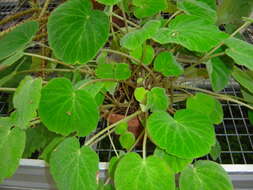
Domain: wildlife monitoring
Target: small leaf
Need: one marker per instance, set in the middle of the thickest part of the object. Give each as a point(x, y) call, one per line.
point(206, 105)
point(17, 39)
point(215, 151)
point(166, 64)
point(191, 32)
point(245, 78)
point(175, 135)
point(147, 8)
point(121, 128)
point(73, 167)
point(119, 71)
point(127, 140)
point(12, 144)
point(176, 164)
point(135, 173)
point(241, 52)
point(146, 54)
point(140, 94)
point(136, 38)
point(109, 2)
point(205, 175)
point(219, 73)
point(26, 101)
point(79, 34)
point(64, 109)
point(157, 99)
point(198, 8)
point(112, 165)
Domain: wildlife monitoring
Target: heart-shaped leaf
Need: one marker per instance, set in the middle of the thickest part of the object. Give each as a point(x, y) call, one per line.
point(140, 94)
point(192, 32)
point(176, 164)
point(219, 73)
point(166, 64)
point(205, 175)
point(197, 8)
point(64, 109)
point(17, 39)
point(135, 173)
point(127, 140)
point(157, 99)
point(206, 105)
point(73, 167)
point(26, 101)
point(147, 8)
point(79, 33)
point(136, 38)
point(12, 144)
point(188, 135)
point(241, 52)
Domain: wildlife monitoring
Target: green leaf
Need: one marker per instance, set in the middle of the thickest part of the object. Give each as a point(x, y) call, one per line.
point(140, 94)
point(166, 64)
point(17, 39)
point(6, 122)
point(219, 73)
point(205, 175)
point(232, 11)
point(188, 135)
point(211, 3)
point(250, 116)
point(245, 78)
point(26, 101)
point(176, 164)
point(109, 2)
point(198, 8)
point(127, 140)
point(112, 165)
point(157, 99)
point(147, 8)
point(121, 128)
point(191, 32)
point(136, 173)
point(36, 139)
point(215, 151)
point(73, 167)
point(12, 144)
point(136, 38)
point(11, 59)
point(79, 34)
point(206, 105)
point(64, 109)
point(119, 71)
point(241, 52)
point(93, 88)
point(146, 54)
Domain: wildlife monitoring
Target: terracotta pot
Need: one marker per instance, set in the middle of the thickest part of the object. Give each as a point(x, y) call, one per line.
point(134, 124)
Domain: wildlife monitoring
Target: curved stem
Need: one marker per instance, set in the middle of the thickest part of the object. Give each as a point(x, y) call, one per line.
point(44, 8)
point(128, 21)
point(144, 152)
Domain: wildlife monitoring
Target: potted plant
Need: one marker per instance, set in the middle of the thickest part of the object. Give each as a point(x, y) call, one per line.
point(91, 69)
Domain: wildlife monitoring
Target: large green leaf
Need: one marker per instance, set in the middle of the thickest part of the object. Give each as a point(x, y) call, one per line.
point(136, 38)
point(197, 8)
point(188, 135)
point(109, 2)
point(17, 39)
point(135, 173)
point(192, 32)
point(205, 175)
point(219, 73)
point(245, 78)
point(206, 105)
point(211, 3)
point(240, 51)
point(176, 164)
point(26, 101)
point(147, 8)
point(73, 167)
point(76, 32)
point(157, 99)
point(64, 109)
point(166, 64)
point(12, 144)
point(119, 71)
